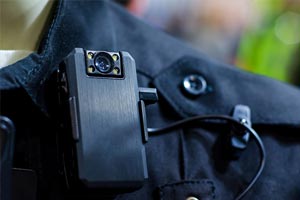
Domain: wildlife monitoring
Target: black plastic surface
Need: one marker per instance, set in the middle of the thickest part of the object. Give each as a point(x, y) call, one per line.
point(7, 132)
point(239, 138)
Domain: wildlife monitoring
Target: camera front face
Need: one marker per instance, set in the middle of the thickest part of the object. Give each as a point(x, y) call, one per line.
point(100, 96)
point(103, 64)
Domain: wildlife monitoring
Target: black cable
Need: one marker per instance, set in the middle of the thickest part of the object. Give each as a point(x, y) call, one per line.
point(156, 131)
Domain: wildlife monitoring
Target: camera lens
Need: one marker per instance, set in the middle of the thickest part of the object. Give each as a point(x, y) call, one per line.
point(104, 62)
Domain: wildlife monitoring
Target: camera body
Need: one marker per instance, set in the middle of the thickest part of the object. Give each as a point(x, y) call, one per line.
point(7, 137)
point(103, 109)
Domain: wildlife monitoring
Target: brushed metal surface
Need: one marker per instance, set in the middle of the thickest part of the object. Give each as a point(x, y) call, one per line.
point(110, 148)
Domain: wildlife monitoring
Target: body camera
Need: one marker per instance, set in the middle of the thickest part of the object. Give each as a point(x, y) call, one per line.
point(105, 119)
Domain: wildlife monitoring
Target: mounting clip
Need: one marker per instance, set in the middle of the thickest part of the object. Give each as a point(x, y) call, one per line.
point(147, 96)
point(239, 137)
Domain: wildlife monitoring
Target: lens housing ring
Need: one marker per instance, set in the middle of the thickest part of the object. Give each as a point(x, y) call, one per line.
point(104, 63)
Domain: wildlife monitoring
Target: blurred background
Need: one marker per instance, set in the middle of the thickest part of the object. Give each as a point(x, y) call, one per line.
point(260, 36)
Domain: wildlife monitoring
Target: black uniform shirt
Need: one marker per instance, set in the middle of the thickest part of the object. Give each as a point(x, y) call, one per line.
point(182, 162)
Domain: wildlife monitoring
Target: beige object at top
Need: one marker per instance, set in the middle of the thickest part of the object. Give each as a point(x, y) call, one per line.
point(21, 26)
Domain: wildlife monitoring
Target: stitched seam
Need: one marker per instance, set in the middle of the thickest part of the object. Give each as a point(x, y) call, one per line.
point(186, 182)
point(182, 154)
point(169, 96)
point(183, 61)
point(208, 182)
point(184, 110)
point(37, 68)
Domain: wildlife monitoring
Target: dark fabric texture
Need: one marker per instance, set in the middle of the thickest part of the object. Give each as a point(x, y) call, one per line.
point(203, 189)
point(182, 163)
point(271, 102)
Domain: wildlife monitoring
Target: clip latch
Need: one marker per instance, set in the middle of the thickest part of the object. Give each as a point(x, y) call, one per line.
point(239, 137)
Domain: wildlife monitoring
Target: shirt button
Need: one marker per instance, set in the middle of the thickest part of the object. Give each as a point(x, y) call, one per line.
point(192, 198)
point(194, 84)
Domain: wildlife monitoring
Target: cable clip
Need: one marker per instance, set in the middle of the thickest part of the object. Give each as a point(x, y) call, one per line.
point(239, 137)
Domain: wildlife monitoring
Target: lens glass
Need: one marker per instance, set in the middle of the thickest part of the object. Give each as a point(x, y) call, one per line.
point(104, 63)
